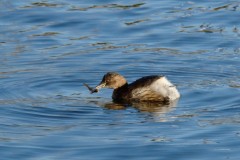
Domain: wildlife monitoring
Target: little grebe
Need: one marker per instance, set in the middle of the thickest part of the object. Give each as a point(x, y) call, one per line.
point(150, 88)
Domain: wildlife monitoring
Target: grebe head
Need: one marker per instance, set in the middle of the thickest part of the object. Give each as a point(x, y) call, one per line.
point(112, 80)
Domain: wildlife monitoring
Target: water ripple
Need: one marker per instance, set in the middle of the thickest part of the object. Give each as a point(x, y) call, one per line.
point(118, 6)
point(48, 49)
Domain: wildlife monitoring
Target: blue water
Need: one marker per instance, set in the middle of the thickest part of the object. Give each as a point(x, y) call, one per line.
point(49, 48)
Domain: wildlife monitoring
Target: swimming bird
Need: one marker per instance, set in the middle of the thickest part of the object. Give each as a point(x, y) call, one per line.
point(153, 88)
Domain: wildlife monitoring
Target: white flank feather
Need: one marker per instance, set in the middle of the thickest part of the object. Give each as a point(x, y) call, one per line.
point(165, 88)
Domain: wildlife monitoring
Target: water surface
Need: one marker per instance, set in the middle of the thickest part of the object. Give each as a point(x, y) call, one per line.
point(49, 48)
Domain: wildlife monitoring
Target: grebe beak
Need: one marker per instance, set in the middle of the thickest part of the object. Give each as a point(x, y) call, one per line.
point(101, 85)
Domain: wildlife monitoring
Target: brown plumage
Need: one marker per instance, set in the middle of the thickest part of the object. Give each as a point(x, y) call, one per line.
point(150, 88)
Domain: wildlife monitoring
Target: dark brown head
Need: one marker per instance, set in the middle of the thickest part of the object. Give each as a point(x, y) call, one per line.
point(112, 80)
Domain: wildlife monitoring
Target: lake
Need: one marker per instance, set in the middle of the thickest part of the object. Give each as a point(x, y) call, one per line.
point(50, 48)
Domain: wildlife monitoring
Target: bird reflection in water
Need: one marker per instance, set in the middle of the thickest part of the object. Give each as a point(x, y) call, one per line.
point(158, 110)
